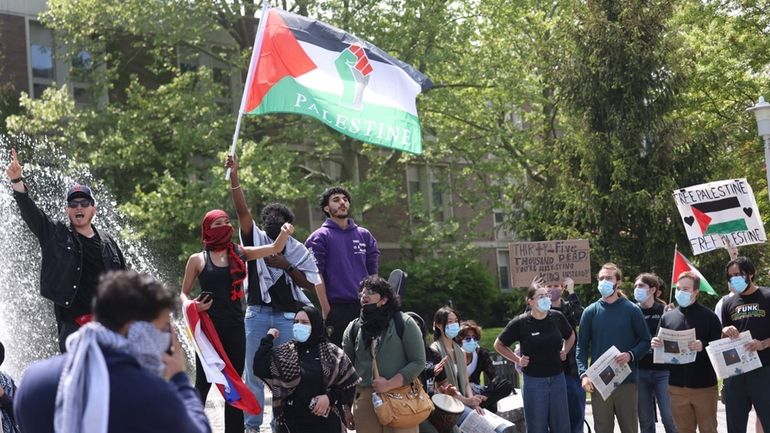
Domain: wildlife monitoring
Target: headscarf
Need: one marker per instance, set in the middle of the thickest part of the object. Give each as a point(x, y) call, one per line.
point(221, 238)
point(317, 334)
point(286, 373)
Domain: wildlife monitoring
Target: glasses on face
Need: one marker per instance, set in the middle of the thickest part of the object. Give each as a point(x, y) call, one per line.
point(368, 293)
point(84, 203)
point(469, 339)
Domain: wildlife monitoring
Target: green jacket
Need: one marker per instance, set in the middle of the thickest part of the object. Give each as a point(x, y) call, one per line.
point(394, 355)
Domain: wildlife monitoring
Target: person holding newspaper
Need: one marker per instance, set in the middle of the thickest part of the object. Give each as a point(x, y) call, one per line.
point(692, 387)
point(749, 310)
point(546, 337)
point(613, 320)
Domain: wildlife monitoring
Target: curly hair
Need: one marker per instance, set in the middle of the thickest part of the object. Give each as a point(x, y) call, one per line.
point(324, 200)
point(277, 209)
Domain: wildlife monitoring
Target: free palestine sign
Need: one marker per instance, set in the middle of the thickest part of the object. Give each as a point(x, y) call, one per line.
point(720, 214)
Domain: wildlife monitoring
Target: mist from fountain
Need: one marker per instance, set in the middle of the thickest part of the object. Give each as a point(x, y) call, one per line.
point(27, 324)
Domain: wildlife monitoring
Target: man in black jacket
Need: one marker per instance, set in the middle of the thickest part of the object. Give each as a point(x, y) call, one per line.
point(74, 255)
point(692, 387)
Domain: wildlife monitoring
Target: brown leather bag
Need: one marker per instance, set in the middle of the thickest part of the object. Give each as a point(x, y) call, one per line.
point(405, 406)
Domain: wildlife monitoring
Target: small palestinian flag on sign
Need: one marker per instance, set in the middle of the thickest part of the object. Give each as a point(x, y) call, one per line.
point(720, 216)
point(681, 264)
point(307, 67)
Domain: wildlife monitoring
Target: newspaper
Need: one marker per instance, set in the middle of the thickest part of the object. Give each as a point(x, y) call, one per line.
point(606, 374)
point(471, 422)
point(729, 356)
point(676, 347)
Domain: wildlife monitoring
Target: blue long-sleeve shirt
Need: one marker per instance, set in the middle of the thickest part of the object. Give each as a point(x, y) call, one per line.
point(620, 324)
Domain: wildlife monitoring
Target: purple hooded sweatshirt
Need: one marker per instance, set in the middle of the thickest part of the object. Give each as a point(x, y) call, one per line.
point(344, 258)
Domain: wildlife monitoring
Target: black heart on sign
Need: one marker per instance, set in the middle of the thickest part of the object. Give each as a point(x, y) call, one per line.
point(689, 220)
point(748, 211)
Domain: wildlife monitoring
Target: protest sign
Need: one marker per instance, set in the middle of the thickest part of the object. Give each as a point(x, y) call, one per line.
point(720, 214)
point(553, 261)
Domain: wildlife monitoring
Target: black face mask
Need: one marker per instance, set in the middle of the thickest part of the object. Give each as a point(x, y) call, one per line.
point(273, 230)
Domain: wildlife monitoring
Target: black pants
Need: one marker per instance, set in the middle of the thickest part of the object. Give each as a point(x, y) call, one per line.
point(233, 339)
point(496, 391)
point(340, 315)
point(64, 327)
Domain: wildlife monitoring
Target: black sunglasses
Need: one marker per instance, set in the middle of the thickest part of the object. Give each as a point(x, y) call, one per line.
point(85, 203)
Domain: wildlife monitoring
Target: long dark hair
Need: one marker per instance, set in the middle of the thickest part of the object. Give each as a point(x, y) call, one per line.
point(441, 318)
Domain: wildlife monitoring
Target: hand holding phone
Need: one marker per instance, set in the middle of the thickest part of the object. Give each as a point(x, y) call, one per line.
point(203, 301)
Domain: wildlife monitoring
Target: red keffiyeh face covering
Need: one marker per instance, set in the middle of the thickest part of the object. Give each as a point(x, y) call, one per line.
point(221, 238)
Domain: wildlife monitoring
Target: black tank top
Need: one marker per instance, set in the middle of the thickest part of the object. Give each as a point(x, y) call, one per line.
point(217, 280)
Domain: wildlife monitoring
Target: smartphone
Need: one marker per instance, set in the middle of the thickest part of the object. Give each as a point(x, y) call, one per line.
point(312, 406)
point(204, 296)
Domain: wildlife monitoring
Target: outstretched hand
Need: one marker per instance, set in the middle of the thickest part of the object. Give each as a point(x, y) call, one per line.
point(14, 168)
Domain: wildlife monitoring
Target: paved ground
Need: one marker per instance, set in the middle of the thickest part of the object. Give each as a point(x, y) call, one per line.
point(215, 407)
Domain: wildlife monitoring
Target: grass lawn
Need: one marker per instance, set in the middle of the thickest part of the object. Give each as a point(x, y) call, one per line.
point(488, 336)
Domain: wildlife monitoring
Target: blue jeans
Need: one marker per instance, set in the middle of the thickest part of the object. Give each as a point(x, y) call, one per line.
point(576, 400)
point(259, 319)
point(652, 386)
point(545, 404)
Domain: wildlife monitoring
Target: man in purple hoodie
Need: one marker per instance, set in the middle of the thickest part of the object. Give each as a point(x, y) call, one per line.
point(345, 254)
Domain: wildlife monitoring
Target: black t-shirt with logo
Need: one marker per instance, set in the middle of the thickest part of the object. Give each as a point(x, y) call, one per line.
point(541, 340)
point(750, 313)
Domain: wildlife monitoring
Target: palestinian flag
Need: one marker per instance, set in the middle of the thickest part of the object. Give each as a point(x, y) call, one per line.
point(719, 216)
point(215, 362)
point(304, 66)
point(681, 264)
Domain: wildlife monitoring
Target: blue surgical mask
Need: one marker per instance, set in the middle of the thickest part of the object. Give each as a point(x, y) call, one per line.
point(641, 294)
point(301, 332)
point(470, 346)
point(544, 304)
point(684, 299)
point(606, 287)
point(452, 329)
point(738, 284)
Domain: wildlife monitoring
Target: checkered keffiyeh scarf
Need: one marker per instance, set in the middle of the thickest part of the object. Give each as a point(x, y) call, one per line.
point(286, 373)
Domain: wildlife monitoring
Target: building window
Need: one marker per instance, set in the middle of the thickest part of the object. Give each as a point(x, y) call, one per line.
point(429, 191)
point(504, 269)
point(41, 53)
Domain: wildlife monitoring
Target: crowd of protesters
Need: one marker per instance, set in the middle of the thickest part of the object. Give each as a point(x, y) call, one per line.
point(122, 368)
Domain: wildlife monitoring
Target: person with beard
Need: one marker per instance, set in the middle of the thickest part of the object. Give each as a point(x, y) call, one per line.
point(312, 379)
point(7, 391)
point(345, 254)
point(273, 284)
point(124, 372)
point(613, 320)
point(74, 255)
point(652, 385)
point(220, 269)
point(400, 358)
point(748, 310)
point(446, 326)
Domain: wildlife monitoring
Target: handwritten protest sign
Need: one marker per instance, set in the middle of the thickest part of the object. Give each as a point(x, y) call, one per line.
point(551, 260)
point(720, 214)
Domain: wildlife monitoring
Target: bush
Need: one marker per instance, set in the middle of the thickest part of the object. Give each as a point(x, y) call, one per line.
point(457, 280)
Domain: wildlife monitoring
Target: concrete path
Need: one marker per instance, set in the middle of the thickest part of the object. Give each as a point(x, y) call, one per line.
point(215, 410)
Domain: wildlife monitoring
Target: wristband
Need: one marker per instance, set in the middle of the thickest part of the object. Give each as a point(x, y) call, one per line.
point(18, 179)
point(290, 268)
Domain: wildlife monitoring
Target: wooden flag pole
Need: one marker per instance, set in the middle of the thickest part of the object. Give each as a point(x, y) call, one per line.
point(249, 77)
